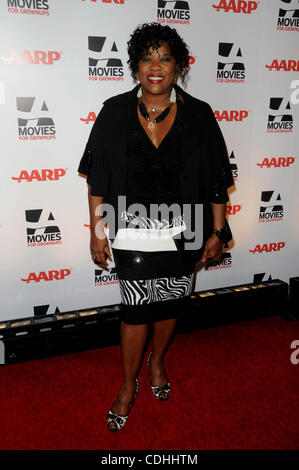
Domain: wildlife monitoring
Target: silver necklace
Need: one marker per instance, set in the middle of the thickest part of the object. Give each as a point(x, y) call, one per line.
point(172, 99)
point(154, 109)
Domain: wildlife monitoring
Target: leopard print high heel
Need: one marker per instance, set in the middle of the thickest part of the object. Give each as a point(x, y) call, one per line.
point(159, 390)
point(120, 420)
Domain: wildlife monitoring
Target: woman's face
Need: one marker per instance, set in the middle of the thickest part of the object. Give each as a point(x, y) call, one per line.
point(157, 70)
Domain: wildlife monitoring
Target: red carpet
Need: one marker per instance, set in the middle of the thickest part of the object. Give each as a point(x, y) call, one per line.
point(233, 387)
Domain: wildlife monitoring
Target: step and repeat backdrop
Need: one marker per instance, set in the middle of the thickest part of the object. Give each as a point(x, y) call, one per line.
point(60, 59)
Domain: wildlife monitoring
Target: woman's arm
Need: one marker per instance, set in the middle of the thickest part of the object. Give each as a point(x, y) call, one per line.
point(219, 212)
point(98, 240)
point(219, 179)
point(94, 202)
point(214, 246)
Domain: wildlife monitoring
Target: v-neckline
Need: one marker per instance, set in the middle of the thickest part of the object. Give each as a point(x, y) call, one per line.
point(166, 135)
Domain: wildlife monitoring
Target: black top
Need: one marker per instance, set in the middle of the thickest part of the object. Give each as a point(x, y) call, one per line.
point(152, 174)
point(205, 172)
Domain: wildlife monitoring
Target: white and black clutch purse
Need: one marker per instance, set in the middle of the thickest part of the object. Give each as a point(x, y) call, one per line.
point(145, 239)
point(145, 234)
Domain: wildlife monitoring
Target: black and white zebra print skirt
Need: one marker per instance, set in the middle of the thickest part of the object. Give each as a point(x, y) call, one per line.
point(154, 285)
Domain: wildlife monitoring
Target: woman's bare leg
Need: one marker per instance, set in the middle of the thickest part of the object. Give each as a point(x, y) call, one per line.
point(133, 340)
point(162, 334)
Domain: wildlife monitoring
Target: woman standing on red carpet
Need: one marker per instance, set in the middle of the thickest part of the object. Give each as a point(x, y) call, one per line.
point(154, 144)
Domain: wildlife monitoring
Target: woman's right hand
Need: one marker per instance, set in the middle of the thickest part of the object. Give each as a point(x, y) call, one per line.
point(99, 248)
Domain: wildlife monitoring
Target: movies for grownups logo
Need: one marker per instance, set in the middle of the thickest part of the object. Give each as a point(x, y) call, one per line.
point(173, 12)
point(42, 310)
point(288, 15)
point(261, 277)
point(233, 165)
point(224, 262)
point(102, 278)
point(230, 68)
point(41, 228)
point(271, 209)
point(280, 119)
point(104, 61)
point(34, 119)
point(28, 7)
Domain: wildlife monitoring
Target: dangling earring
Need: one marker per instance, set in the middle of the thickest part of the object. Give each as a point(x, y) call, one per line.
point(139, 93)
point(172, 98)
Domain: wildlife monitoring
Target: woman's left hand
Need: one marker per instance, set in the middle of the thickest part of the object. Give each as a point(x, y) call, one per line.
point(212, 250)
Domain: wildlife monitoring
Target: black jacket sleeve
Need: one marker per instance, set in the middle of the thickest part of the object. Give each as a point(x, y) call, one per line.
point(85, 162)
point(93, 163)
point(222, 177)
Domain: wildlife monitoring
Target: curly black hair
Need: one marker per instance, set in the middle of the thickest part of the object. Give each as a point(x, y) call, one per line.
point(153, 35)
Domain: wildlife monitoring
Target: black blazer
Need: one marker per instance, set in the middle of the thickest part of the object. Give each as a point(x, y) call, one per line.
point(205, 171)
